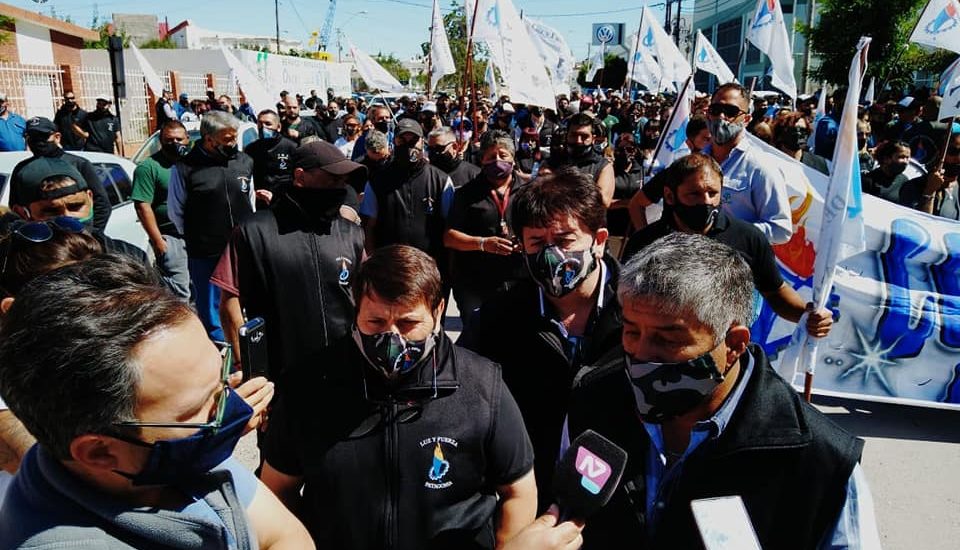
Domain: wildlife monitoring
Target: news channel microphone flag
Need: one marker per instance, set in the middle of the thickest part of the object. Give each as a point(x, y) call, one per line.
point(768, 32)
point(707, 59)
point(841, 229)
point(441, 60)
point(939, 25)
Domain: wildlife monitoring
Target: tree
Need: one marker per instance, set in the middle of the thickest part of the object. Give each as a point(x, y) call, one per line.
point(614, 73)
point(455, 24)
point(158, 44)
point(393, 66)
point(892, 57)
point(106, 31)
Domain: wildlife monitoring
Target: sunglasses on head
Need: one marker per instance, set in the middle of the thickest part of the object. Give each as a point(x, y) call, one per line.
point(38, 232)
point(725, 109)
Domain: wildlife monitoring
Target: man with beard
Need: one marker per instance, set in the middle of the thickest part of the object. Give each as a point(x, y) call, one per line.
point(43, 140)
point(329, 118)
point(350, 134)
point(408, 203)
point(380, 116)
point(296, 127)
point(445, 155)
point(68, 118)
point(101, 129)
point(578, 152)
point(271, 156)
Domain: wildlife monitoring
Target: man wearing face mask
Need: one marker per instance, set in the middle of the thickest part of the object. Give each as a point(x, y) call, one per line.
point(381, 118)
point(790, 135)
point(579, 152)
point(562, 315)
point(445, 154)
point(138, 454)
point(377, 156)
point(887, 180)
point(754, 189)
point(43, 140)
point(409, 442)
point(151, 180)
point(937, 193)
point(331, 120)
point(271, 157)
point(702, 414)
point(293, 263)
point(350, 134)
point(210, 192)
point(68, 119)
point(692, 195)
point(628, 178)
point(429, 118)
point(408, 203)
point(101, 129)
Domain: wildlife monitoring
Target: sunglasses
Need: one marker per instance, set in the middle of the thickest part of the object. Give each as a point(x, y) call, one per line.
point(220, 407)
point(38, 232)
point(725, 109)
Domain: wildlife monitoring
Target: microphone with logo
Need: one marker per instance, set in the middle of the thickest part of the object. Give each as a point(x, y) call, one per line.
point(587, 475)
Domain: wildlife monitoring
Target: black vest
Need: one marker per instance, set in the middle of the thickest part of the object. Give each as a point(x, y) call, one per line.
point(409, 208)
point(374, 490)
point(788, 462)
point(271, 162)
point(295, 265)
point(217, 199)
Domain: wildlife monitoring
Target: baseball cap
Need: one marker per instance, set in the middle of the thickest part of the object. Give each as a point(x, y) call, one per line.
point(104, 99)
point(508, 108)
point(184, 96)
point(409, 126)
point(321, 154)
point(430, 107)
point(906, 102)
point(34, 173)
point(39, 126)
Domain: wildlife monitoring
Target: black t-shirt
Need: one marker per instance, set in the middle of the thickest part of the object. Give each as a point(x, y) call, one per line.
point(65, 119)
point(743, 237)
point(625, 185)
point(271, 162)
point(103, 128)
point(475, 213)
point(879, 184)
point(308, 126)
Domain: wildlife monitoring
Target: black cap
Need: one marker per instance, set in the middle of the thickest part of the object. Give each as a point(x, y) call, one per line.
point(321, 154)
point(39, 169)
point(409, 126)
point(40, 126)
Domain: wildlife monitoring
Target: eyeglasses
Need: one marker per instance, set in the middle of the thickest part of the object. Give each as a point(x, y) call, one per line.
point(220, 407)
point(725, 109)
point(38, 232)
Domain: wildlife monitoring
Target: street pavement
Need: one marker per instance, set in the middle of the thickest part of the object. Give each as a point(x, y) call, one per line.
point(911, 460)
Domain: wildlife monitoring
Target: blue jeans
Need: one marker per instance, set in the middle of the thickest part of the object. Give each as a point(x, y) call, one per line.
point(206, 296)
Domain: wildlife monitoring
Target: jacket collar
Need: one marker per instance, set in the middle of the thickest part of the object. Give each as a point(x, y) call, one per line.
point(435, 376)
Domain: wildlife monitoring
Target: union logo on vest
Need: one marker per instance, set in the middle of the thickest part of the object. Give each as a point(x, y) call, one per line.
point(439, 465)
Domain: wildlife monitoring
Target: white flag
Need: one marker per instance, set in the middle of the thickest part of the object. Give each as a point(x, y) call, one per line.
point(939, 25)
point(554, 51)
point(674, 67)
point(491, 79)
point(871, 94)
point(642, 67)
point(673, 139)
point(596, 63)
point(768, 32)
point(499, 27)
point(153, 79)
point(842, 220)
point(949, 90)
point(253, 89)
point(818, 115)
point(441, 60)
point(376, 77)
point(707, 59)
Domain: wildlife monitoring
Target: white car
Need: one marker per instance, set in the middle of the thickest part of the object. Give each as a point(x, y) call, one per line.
point(247, 133)
point(116, 173)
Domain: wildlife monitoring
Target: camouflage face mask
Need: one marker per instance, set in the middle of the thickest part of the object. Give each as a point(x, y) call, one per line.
point(667, 390)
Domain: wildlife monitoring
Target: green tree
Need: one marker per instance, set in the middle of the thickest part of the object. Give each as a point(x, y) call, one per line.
point(106, 31)
point(455, 23)
point(157, 44)
point(393, 66)
point(614, 73)
point(889, 22)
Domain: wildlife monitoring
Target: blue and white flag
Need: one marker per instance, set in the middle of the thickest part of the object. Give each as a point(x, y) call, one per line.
point(939, 25)
point(596, 63)
point(841, 228)
point(949, 90)
point(707, 59)
point(554, 51)
point(491, 79)
point(654, 41)
point(768, 32)
point(674, 138)
point(871, 94)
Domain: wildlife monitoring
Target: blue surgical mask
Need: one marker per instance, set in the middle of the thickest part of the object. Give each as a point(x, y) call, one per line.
point(267, 133)
point(172, 461)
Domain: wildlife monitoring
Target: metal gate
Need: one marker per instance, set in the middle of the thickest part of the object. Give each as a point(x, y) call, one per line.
point(32, 90)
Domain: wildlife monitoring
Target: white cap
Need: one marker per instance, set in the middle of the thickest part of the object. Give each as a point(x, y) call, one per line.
point(906, 102)
point(507, 108)
point(429, 106)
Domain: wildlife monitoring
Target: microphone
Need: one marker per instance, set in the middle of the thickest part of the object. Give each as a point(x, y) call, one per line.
point(587, 475)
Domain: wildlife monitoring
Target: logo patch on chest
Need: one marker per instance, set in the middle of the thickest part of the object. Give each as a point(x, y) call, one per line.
point(439, 465)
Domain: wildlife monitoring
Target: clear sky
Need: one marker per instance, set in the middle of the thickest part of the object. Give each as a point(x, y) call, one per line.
point(397, 26)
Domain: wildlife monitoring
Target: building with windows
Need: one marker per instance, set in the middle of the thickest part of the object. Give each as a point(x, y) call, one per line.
point(725, 24)
point(188, 35)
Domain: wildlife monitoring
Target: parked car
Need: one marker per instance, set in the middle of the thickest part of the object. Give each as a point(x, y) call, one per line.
point(247, 135)
point(116, 173)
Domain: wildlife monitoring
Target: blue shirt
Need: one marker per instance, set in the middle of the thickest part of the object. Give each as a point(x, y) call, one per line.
point(12, 128)
point(755, 191)
point(856, 525)
point(369, 207)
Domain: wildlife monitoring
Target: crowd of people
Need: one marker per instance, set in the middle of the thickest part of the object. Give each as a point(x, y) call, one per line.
point(349, 227)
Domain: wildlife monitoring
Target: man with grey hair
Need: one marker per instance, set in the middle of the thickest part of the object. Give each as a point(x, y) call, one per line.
point(446, 153)
point(703, 415)
point(211, 191)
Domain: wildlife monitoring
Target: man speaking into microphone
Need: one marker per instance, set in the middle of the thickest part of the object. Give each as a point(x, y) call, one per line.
point(702, 414)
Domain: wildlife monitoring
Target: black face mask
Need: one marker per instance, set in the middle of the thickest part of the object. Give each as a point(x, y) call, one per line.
point(621, 162)
point(175, 150)
point(382, 126)
point(579, 151)
point(697, 217)
point(794, 138)
point(443, 161)
point(226, 151)
point(43, 148)
point(897, 168)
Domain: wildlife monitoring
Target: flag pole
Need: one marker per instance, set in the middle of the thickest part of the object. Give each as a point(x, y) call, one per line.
point(636, 49)
point(886, 75)
point(468, 75)
point(743, 53)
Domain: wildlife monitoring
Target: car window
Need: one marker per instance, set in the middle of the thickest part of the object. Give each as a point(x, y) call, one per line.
point(249, 136)
point(152, 145)
point(115, 181)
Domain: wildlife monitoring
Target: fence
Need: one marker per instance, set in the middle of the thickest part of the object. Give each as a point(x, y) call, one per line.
point(135, 110)
point(32, 90)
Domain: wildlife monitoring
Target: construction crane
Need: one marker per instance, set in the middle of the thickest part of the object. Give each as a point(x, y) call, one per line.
point(327, 26)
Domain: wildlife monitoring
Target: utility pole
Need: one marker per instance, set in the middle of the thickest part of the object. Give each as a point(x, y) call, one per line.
point(676, 35)
point(811, 10)
point(276, 16)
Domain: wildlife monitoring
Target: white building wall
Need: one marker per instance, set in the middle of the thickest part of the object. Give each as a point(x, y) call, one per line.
point(33, 44)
